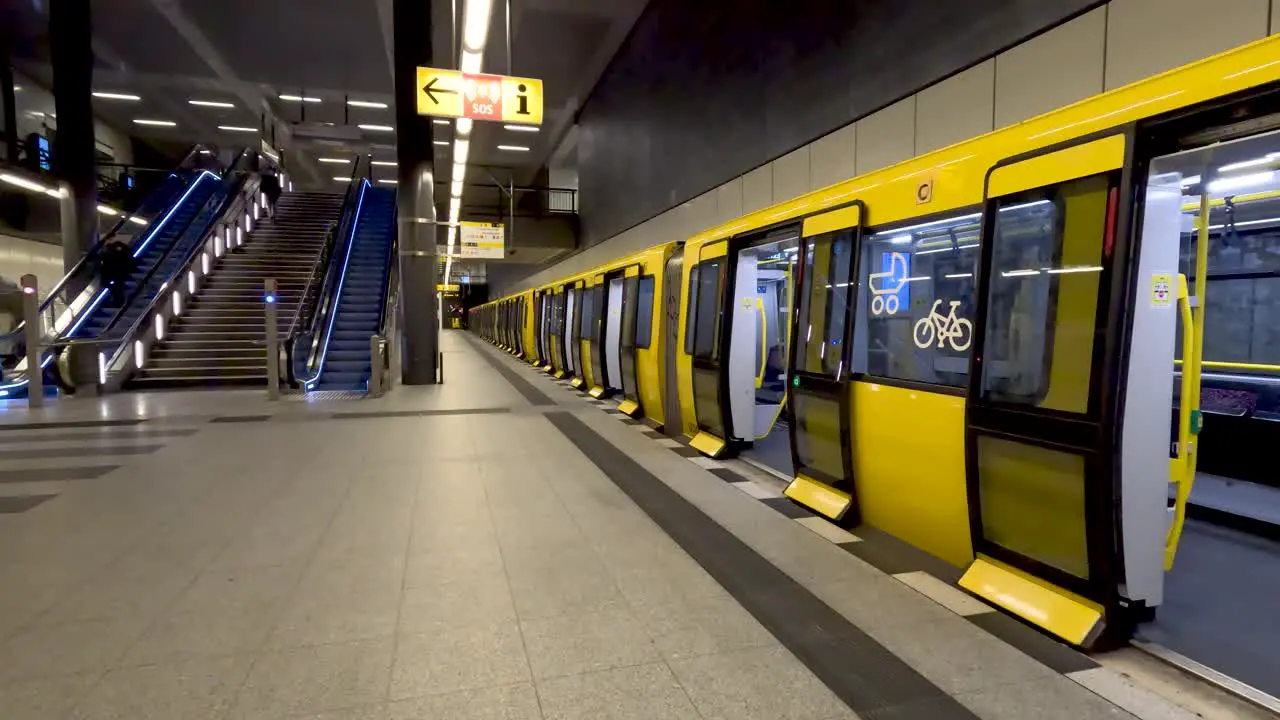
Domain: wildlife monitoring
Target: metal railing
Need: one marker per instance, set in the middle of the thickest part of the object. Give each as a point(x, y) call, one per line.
point(305, 344)
point(78, 294)
point(384, 347)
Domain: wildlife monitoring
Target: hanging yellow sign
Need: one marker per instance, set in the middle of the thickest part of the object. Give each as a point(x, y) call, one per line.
point(496, 98)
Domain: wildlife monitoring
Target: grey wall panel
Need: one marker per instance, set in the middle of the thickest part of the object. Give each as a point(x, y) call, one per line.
point(956, 109)
point(791, 174)
point(728, 201)
point(832, 157)
point(703, 92)
point(1275, 16)
point(1146, 37)
point(1052, 70)
point(887, 137)
point(757, 189)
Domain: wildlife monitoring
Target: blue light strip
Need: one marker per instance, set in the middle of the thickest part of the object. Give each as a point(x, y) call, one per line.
point(75, 327)
point(337, 296)
point(156, 230)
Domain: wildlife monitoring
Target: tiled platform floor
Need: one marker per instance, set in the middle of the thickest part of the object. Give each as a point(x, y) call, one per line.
point(430, 562)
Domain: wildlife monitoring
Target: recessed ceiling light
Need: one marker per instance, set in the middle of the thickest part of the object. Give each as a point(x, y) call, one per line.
point(116, 96)
point(513, 148)
point(438, 121)
point(384, 163)
point(336, 161)
point(210, 103)
point(440, 142)
point(157, 123)
point(377, 128)
point(522, 128)
point(237, 128)
point(299, 98)
point(367, 104)
point(206, 152)
point(387, 181)
point(339, 178)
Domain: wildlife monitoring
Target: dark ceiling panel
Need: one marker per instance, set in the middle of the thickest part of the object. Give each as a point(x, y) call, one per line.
point(703, 92)
point(143, 39)
point(329, 44)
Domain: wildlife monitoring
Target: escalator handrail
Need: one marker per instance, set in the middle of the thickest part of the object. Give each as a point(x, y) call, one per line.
point(306, 316)
point(91, 256)
point(322, 342)
point(390, 299)
point(234, 193)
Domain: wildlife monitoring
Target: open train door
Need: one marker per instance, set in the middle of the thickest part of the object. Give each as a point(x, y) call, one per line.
point(1041, 433)
point(819, 409)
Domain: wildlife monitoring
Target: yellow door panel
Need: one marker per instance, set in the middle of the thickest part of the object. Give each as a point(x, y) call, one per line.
point(1077, 161)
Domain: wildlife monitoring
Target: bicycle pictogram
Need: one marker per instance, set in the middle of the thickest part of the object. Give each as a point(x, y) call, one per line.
point(884, 298)
point(946, 329)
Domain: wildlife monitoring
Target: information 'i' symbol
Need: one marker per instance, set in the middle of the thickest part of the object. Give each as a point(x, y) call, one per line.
point(522, 100)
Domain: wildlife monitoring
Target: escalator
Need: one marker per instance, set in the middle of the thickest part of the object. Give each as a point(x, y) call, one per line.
point(351, 309)
point(78, 310)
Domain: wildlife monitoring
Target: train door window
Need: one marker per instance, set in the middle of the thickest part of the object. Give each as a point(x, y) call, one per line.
point(916, 301)
point(706, 346)
point(1046, 269)
point(627, 342)
point(613, 333)
point(571, 332)
point(761, 325)
point(690, 310)
point(644, 312)
point(823, 306)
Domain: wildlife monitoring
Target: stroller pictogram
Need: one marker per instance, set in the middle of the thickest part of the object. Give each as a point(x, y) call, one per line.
point(886, 286)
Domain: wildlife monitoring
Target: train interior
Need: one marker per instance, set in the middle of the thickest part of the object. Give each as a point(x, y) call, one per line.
point(1220, 593)
point(764, 285)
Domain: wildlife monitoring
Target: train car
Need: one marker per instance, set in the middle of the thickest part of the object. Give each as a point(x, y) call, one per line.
point(981, 350)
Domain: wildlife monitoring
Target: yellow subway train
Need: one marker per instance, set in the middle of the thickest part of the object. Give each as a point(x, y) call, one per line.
point(991, 352)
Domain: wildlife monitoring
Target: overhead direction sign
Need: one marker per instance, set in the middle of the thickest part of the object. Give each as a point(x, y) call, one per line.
point(482, 240)
point(499, 98)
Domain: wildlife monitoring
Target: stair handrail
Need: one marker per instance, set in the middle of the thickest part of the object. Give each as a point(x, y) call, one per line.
point(242, 194)
point(303, 322)
point(330, 292)
point(61, 315)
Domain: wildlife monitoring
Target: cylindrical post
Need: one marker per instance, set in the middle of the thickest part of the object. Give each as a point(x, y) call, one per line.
point(31, 334)
point(273, 339)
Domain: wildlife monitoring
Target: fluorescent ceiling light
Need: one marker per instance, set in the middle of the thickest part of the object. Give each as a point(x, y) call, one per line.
point(116, 96)
point(105, 210)
point(459, 172)
point(137, 220)
point(387, 181)
point(377, 128)
point(475, 25)
point(438, 121)
point(958, 276)
point(1245, 164)
point(1074, 269)
point(463, 127)
point(339, 178)
point(522, 128)
point(336, 161)
point(440, 142)
point(55, 194)
point(513, 148)
point(461, 149)
point(1241, 181)
point(471, 62)
point(1020, 273)
point(455, 207)
point(384, 163)
point(210, 103)
point(237, 128)
point(156, 123)
point(455, 189)
point(299, 98)
point(367, 104)
point(22, 182)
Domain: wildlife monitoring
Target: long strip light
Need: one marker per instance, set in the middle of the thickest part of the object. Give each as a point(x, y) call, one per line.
point(367, 104)
point(475, 34)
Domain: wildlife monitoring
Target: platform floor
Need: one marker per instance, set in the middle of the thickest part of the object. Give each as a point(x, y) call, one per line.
point(496, 547)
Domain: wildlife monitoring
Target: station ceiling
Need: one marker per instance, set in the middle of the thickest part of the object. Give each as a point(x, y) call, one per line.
point(248, 53)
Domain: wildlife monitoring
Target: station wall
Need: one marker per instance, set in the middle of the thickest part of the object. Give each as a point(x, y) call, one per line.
point(1104, 48)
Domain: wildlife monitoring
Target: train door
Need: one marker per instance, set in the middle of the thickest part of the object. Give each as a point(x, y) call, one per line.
point(558, 359)
point(631, 337)
point(593, 333)
point(539, 328)
point(1208, 343)
point(1040, 416)
point(672, 283)
point(819, 412)
point(612, 319)
point(571, 338)
point(587, 324)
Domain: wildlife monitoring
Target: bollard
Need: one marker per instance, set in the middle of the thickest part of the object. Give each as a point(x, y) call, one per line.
point(31, 334)
point(375, 367)
point(269, 298)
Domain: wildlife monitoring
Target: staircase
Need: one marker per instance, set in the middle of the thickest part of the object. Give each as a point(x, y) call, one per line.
point(348, 363)
point(219, 338)
point(162, 239)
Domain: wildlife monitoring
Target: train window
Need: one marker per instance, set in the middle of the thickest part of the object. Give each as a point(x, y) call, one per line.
point(575, 302)
point(587, 317)
point(644, 312)
point(823, 304)
point(688, 311)
point(916, 299)
point(1046, 274)
point(706, 319)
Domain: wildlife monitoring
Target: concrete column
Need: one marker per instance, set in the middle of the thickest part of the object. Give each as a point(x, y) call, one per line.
point(415, 203)
point(73, 163)
point(8, 99)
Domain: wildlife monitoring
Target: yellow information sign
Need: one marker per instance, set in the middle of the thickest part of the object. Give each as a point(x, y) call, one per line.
point(482, 240)
point(450, 288)
point(497, 98)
